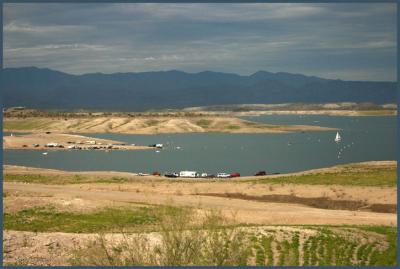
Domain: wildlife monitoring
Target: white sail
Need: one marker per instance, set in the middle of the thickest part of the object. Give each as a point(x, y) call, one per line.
point(337, 138)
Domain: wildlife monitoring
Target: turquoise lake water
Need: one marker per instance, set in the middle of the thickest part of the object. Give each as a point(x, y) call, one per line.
point(363, 139)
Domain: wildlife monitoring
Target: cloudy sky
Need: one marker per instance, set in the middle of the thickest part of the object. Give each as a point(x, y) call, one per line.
point(346, 41)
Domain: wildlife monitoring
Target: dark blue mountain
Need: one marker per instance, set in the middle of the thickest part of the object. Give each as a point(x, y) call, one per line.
point(48, 89)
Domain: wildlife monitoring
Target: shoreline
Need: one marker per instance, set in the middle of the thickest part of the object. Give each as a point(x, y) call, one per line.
point(16, 169)
point(61, 141)
point(348, 113)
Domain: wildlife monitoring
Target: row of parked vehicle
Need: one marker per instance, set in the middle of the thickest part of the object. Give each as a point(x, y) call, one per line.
point(194, 174)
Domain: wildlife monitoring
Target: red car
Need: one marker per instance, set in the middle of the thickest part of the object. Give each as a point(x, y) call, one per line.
point(260, 173)
point(235, 175)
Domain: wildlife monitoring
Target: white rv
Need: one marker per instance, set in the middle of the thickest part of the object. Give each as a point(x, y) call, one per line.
point(52, 145)
point(223, 175)
point(188, 174)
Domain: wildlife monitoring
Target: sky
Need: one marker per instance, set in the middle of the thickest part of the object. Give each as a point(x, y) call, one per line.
point(338, 41)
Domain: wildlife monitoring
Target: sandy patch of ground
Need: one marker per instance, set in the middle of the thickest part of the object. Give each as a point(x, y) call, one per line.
point(41, 139)
point(247, 211)
point(17, 200)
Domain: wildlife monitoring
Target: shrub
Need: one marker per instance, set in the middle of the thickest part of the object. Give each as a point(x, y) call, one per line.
point(183, 241)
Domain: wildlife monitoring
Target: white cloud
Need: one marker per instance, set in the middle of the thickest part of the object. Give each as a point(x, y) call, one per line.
point(20, 27)
point(51, 49)
point(239, 38)
point(222, 12)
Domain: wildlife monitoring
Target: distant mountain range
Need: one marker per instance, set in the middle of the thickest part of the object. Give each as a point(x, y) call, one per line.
point(49, 89)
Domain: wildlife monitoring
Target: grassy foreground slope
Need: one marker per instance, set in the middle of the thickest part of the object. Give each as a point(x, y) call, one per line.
point(180, 237)
point(55, 217)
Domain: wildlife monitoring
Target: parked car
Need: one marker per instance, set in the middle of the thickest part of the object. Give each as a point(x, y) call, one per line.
point(260, 173)
point(235, 175)
point(204, 175)
point(156, 173)
point(171, 174)
point(223, 175)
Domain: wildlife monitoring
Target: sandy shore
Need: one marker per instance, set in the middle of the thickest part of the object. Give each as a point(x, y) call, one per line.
point(38, 141)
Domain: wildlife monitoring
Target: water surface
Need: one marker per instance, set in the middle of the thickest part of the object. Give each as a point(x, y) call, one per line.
point(363, 139)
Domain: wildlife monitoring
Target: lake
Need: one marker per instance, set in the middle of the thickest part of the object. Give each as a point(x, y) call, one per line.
point(363, 139)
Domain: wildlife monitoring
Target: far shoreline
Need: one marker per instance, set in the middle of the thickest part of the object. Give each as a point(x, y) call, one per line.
point(347, 113)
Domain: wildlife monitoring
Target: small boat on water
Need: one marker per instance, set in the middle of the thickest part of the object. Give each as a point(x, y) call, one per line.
point(337, 138)
point(44, 153)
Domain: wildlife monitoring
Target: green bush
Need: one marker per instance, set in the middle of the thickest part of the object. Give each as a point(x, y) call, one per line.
point(182, 242)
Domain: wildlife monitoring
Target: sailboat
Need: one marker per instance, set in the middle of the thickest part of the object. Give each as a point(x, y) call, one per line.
point(337, 138)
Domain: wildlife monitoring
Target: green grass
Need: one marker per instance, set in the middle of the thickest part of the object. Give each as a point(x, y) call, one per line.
point(182, 242)
point(61, 179)
point(233, 127)
point(26, 124)
point(327, 248)
point(152, 122)
point(48, 219)
point(373, 177)
point(204, 123)
point(389, 256)
point(263, 125)
point(376, 112)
